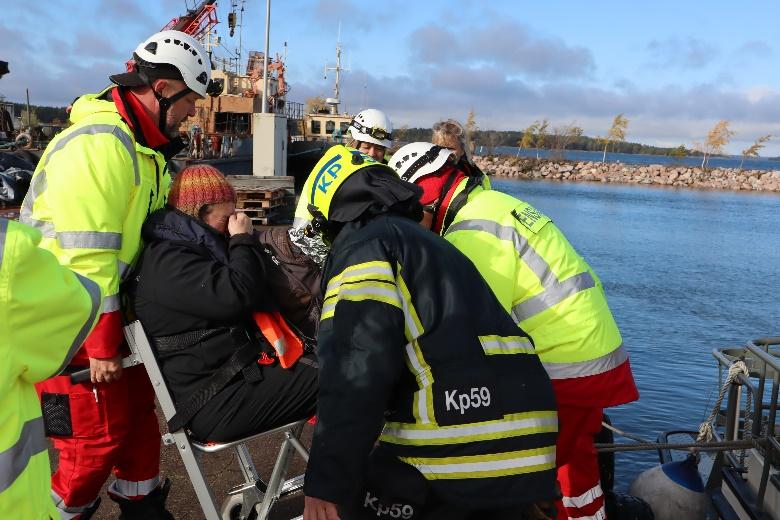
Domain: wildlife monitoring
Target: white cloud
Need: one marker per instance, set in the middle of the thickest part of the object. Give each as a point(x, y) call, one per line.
point(500, 43)
point(681, 53)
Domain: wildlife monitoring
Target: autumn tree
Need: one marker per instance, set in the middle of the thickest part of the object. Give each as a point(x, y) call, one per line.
point(541, 136)
point(679, 152)
point(529, 136)
point(561, 136)
point(752, 151)
point(315, 104)
point(534, 136)
point(616, 134)
point(493, 140)
point(471, 130)
point(717, 138)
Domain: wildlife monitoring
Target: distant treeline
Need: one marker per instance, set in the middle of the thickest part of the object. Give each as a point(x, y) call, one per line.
point(493, 138)
point(44, 114)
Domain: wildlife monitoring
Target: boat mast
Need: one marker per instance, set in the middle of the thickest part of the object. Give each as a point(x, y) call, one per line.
point(336, 100)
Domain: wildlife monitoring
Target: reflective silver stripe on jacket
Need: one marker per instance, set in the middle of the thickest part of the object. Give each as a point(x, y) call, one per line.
point(94, 295)
point(89, 240)
point(38, 184)
point(590, 367)
point(123, 269)
point(462, 467)
point(555, 291)
point(111, 303)
point(3, 229)
point(552, 295)
point(14, 459)
point(470, 432)
point(506, 345)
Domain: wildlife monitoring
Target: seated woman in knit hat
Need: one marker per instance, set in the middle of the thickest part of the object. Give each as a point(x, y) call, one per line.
point(200, 294)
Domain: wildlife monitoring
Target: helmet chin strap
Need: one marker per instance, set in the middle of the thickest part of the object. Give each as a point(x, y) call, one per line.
point(166, 103)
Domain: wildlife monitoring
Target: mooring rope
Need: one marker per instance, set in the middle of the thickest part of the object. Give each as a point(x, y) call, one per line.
point(706, 429)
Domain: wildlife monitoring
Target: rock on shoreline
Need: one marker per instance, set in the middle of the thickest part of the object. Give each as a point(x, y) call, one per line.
point(662, 175)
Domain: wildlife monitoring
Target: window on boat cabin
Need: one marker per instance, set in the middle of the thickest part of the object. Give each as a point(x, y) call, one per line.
point(315, 127)
point(231, 123)
point(343, 126)
point(330, 126)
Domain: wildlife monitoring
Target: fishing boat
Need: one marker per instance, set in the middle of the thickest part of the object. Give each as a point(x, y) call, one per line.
point(229, 132)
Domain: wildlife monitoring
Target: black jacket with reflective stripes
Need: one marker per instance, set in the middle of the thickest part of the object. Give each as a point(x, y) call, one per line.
point(414, 346)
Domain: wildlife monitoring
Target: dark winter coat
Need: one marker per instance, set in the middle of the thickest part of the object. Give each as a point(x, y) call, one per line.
point(189, 278)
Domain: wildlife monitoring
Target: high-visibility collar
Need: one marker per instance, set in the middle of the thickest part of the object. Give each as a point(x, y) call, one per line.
point(454, 200)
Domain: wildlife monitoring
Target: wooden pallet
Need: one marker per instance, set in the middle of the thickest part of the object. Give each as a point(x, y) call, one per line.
point(259, 203)
point(263, 221)
point(260, 194)
point(258, 212)
point(9, 212)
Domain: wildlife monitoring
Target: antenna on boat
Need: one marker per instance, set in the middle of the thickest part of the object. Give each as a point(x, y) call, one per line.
point(365, 91)
point(210, 40)
point(334, 102)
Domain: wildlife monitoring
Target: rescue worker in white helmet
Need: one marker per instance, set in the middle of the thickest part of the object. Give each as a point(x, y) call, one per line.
point(95, 184)
point(416, 353)
point(371, 132)
point(551, 293)
point(46, 311)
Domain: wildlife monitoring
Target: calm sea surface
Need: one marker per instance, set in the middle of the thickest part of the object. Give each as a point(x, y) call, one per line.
point(685, 271)
point(753, 163)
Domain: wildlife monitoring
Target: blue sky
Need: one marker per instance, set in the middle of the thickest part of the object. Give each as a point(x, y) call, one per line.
point(673, 68)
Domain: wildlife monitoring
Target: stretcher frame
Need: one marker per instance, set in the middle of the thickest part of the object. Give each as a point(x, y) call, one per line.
point(253, 495)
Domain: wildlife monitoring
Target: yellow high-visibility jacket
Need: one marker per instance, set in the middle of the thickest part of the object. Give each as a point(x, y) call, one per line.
point(550, 291)
point(92, 190)
point(46, 311)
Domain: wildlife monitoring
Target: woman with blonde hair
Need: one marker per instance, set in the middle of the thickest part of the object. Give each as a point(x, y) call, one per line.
point(451, 134)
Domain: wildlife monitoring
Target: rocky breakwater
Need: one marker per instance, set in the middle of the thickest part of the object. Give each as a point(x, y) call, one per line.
point(668, 175)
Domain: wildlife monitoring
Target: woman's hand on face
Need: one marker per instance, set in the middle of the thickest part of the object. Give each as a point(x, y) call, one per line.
point(239, 223)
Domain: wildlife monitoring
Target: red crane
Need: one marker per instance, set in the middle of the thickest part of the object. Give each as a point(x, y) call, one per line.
point(197, 21)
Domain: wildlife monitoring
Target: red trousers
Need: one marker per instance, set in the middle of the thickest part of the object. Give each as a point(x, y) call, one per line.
point(114, 428)
point(578, 468)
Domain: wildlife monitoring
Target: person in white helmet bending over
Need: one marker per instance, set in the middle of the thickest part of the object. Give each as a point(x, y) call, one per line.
point(94, 186)
point(371, 133)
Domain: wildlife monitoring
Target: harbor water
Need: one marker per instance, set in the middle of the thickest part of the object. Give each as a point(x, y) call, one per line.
point(685, 271)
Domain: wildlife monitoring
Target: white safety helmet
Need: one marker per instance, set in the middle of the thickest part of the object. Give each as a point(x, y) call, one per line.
point(372, 126)
point(416, 160)
point(173, 55)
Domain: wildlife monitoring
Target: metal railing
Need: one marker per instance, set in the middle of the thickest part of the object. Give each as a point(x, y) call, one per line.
point(763, 364)
point(294, 110)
